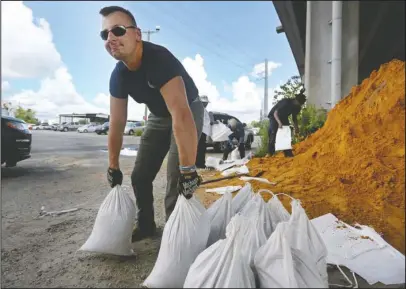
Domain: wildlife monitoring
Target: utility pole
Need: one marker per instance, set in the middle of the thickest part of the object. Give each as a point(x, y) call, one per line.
point(264, 103)
point(149, 32)
point(265, 111)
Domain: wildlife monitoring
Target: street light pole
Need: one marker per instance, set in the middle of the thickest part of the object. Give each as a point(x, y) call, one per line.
point(149, 32)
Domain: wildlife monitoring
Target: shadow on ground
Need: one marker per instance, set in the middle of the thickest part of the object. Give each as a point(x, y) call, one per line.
point(20, 171)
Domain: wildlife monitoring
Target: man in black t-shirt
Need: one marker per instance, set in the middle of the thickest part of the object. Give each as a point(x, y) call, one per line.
point(150, 74)
point(279, 116)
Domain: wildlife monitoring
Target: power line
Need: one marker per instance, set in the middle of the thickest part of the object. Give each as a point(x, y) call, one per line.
point(222, 37)
point(221, 56)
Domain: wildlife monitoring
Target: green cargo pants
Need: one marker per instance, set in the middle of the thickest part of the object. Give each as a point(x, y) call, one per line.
point(156, 141)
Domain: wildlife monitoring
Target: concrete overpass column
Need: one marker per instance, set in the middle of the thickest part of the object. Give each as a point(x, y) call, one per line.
point(318, 55)
point(350, 46)
point(308, 44)
point(336, 52)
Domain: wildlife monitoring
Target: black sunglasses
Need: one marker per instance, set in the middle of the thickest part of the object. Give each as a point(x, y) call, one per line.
point(117, 31)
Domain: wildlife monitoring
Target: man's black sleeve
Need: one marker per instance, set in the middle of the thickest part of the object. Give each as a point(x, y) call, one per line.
point(117, 84)
point(163, 67)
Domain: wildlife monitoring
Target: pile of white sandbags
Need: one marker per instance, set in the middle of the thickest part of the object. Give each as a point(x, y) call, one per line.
point(239, 242)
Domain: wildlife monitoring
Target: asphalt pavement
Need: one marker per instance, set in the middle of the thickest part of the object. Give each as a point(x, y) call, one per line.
point(47, 141)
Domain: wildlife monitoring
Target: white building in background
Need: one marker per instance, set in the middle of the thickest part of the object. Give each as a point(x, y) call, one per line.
point(337, 44)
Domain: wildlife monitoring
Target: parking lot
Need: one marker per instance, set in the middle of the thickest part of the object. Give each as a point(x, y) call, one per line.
point(67, 170)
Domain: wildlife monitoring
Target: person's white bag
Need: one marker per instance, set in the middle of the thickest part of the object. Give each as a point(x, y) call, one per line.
point(283, 139)
point(258, 206)
point(235, 154)
point(242, 198)
point(220, 132)
point(305, 238)
point(219, 214)
point(114, 223)
point(206, 123)
point(184, 238)
point(280, 266)
point(222, 265)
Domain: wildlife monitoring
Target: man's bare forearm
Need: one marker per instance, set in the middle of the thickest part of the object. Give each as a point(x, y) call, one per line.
point(277, 117)
point(184, 130)
point(115, 141)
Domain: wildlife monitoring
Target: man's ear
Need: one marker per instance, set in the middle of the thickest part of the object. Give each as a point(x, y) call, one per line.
point(138, 35)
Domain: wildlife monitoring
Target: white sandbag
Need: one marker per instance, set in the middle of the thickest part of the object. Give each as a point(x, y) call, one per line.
point(372, 258)
point(283, 139)
point(262, 180)
point(114, 223)
point(258, 206)
point(184, 237)
point(280, 266)
point(213, 162)
point(222, 265)
point(235, 154)
point(242, 198)
point(254, 237)
point(236, 170)
point(305, 238)
point(278, 211)
point(274, 263)
point(223, 190)
point(220, 132)
point(219, 214)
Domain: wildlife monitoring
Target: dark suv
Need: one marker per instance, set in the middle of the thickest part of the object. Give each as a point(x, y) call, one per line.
point(103, 129)
point(15, 141)
point(224, 118)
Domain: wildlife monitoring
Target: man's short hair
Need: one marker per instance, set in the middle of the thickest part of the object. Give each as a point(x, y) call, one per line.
point(106, 11)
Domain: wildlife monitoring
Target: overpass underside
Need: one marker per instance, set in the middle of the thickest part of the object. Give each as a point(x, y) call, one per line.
point(372, 33)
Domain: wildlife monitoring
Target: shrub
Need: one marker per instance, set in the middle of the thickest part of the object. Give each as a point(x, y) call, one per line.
point(263, 133)
point(309, 120)
point(138, 132)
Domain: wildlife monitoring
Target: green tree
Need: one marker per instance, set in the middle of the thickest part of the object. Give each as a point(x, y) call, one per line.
point(82, 121)
point(28, 115)
point(255, 123)
point(289, 89)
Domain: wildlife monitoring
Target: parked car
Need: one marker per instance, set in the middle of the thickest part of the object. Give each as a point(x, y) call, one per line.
point(69, 126)
point(91, 127)
point(15, 141)
point(132, 127)
point(42, 126)
point(223, 118)
point(54, 126)
point(104, 129)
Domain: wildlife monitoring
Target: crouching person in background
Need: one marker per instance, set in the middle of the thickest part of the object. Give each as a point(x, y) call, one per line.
point(236, 139)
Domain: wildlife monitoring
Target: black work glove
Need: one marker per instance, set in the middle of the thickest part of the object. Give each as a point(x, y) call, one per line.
point(188, 183)
point(114, 177)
